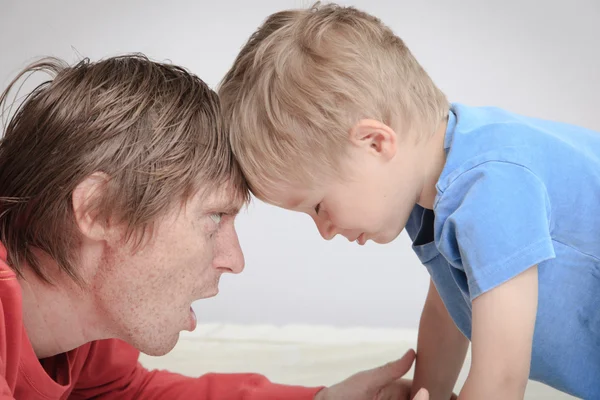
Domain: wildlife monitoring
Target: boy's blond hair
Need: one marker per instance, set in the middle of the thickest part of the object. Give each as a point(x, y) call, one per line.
point(302, 81)
point(154, 129)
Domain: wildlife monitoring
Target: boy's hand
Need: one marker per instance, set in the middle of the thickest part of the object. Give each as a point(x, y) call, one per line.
point(381, 383)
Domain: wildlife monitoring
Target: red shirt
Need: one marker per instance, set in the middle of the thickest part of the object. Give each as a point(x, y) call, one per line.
point(106, 369)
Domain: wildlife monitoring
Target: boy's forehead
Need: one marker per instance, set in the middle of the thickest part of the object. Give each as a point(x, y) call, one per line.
point(288, 196)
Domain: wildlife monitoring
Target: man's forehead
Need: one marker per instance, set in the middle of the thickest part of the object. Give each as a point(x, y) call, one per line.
point(225, 199)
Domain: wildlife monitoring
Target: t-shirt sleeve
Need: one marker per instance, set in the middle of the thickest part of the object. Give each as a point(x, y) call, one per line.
point(5, 392)
point(494, 223)
point(112, 371)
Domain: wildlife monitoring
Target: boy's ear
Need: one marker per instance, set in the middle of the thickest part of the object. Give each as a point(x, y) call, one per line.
point(374, 136)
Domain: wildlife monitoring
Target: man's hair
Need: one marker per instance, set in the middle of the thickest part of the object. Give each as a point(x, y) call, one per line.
point(153, 129)
point(305, 78)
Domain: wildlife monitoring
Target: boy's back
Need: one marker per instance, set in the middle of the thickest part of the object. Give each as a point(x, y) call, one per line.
point(516, 192)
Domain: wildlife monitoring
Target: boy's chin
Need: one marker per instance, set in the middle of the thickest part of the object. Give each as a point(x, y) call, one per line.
point(385, 237)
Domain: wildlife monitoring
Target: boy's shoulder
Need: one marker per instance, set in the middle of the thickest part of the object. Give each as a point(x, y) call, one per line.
point(481, 137)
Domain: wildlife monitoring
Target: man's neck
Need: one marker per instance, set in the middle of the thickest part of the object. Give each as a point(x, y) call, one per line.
point(58, 317)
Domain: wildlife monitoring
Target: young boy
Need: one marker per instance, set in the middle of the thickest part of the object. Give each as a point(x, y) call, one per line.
point(331, 115)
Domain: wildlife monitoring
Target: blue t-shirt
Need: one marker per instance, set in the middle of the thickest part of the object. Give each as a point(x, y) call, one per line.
point(516, 192)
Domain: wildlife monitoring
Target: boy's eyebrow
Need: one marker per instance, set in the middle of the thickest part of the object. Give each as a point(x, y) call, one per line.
point(289, 203)
point(295, 203)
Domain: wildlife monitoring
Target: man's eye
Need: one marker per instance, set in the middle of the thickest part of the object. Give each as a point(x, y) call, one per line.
point(216, 217)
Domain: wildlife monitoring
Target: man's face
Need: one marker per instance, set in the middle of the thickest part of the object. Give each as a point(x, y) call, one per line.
point(145, 294)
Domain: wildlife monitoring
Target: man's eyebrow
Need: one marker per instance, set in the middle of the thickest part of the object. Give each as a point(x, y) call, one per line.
point(231, 209)
point(228, 207)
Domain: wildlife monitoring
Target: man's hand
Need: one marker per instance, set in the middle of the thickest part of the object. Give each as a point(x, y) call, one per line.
point(381, 383)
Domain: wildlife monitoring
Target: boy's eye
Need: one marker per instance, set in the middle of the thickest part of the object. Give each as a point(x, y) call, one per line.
point(216, 217)
point(317, 208)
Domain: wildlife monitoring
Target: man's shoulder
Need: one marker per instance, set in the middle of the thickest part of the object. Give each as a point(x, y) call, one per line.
point(11, 326)
point(11, 312)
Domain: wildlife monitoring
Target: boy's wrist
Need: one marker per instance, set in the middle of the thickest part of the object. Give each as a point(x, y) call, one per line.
point(500, 388)
point(432, 393)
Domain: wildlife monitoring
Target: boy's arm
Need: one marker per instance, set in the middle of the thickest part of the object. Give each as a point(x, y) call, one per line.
point(441, 349)
point(495, 219)
point(503, 326)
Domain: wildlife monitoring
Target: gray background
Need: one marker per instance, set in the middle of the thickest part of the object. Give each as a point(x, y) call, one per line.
point(532, 57)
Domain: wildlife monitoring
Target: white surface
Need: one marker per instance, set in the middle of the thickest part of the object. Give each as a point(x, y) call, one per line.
point(301, 355)
point(536, 58)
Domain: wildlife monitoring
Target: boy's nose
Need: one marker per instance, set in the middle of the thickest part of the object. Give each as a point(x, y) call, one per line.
point(326, 229)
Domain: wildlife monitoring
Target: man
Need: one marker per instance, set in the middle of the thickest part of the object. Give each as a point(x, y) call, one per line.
point(118, 193)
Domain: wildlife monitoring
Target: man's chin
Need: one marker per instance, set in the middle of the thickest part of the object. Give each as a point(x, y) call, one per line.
point(160, 347)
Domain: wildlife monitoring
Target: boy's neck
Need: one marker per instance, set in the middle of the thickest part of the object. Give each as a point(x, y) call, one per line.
point(434, 155)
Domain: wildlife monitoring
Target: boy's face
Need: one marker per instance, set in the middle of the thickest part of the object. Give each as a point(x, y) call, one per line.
point(379, 185)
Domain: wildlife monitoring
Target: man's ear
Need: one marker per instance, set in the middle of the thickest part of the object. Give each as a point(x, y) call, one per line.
point(85, 196)
point(374, 136)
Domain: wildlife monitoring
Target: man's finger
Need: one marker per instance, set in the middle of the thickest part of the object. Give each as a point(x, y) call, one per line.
point(388, 373)
point(422, 394)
